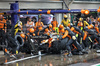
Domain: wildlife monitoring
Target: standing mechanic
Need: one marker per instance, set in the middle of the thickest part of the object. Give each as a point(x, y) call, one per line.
point(65, 21)
point(39, 26)
point(30, 24)
point(82, 23)
point(54, 22)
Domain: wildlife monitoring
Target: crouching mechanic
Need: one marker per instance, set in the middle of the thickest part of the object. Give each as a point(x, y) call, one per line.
point(98, 34)
point(97, 39)
point(89, 35)
point(67, 33)
point(79, 34)
point(2, 29)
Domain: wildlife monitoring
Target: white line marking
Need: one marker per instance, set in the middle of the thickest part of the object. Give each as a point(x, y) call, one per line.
point(96, 64)
point(24, 59)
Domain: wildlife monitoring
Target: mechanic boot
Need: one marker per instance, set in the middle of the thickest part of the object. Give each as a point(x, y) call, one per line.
point(80, 53)
point(69, 55)
point(86, 48)
point(84, 51)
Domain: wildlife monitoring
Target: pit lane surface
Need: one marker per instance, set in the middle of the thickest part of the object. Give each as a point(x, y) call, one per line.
point(53, 60)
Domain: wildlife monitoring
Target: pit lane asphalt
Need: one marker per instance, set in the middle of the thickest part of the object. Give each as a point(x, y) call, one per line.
point(52, 60)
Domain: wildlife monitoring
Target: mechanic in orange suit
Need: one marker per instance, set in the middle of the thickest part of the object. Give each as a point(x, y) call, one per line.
point(2, 31)
point(39, 26)
point(54, 22)
point(2, 23)
point(67, 33)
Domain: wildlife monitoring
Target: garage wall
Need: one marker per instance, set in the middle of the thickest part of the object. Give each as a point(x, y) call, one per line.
point(32, 4)
point(4, 5)
point(29, 0)
point(84, 5)
point(51, 5)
